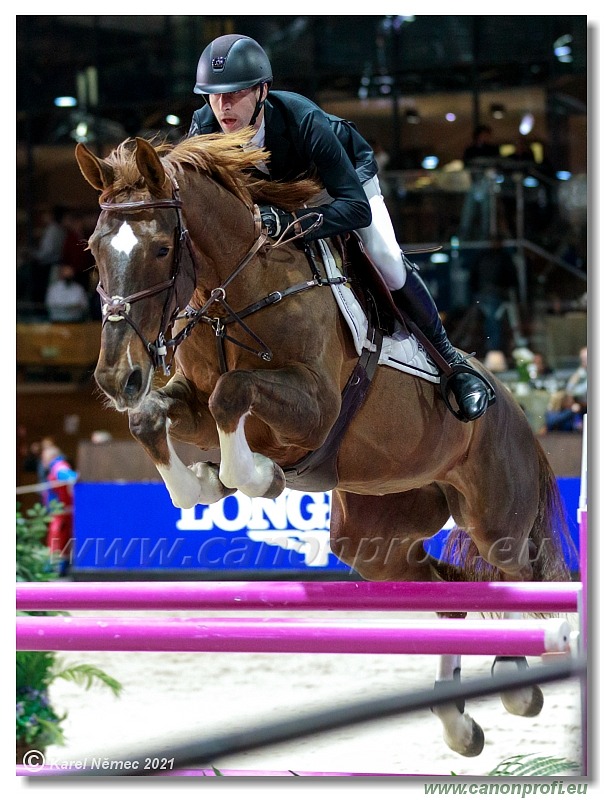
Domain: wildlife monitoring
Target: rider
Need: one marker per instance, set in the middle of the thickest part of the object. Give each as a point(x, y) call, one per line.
point(234, 74)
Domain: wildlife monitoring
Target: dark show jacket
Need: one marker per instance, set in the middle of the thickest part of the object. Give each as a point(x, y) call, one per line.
point(300, 138)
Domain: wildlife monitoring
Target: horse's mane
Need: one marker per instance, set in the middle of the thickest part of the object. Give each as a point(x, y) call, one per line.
point(224, 157)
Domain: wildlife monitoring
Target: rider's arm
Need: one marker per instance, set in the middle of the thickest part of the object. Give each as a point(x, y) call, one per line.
point(350, 208)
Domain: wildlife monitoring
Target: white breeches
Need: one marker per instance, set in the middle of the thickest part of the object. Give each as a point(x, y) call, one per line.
point(380, 240)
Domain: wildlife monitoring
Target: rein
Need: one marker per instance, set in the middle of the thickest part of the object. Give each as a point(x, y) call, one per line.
point(116, 308)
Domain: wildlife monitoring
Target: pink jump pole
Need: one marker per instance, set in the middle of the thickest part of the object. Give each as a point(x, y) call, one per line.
point(471, 637)
point(305, 596)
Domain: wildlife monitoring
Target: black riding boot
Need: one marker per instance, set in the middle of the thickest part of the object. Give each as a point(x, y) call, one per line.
point(471, 394)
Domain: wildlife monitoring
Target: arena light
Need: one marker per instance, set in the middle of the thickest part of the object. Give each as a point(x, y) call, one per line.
point(564, 175)
point(563, 50)
point(81, 132)
point(430, 162)
point(65, 101)
point(526, 124)
point(450, 117)
point(172, 119)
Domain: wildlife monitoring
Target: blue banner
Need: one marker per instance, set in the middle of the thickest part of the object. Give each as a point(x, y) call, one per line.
point(134, 527)
point(145, 532)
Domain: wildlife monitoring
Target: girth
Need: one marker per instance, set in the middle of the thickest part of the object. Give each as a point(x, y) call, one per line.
point(318, 471)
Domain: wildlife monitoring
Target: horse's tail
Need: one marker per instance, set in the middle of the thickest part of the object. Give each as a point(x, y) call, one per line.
point(550, 533)
point(550, 542)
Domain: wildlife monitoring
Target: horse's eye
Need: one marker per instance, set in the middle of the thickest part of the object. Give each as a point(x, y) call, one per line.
point(162, 252)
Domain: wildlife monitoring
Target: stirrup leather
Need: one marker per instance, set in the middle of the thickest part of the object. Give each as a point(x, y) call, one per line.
point(455, 369)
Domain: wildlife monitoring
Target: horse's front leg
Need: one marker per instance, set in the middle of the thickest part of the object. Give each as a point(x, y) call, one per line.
point(460, 731)
point(176, 408)
point(298, 407)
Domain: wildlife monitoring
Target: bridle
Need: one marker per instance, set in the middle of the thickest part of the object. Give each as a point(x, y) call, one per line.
point(117, 308)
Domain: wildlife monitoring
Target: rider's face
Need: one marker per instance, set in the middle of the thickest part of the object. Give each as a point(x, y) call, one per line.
point(234, 110)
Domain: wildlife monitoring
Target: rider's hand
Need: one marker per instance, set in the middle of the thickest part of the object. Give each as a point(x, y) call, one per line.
point(275, 220)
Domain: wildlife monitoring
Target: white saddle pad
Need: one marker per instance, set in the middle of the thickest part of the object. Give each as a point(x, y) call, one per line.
point(401, 351)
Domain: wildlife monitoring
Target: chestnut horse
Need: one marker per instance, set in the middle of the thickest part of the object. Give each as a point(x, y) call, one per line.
point(183, 266)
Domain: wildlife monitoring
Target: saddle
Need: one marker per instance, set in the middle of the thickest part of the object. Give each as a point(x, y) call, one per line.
point(366, 283)
point(317, 471)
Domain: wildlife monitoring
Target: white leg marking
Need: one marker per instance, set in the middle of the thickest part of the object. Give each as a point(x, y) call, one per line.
point(251, 473)
point(188, 487)
point(460, 732)
point(447, 666)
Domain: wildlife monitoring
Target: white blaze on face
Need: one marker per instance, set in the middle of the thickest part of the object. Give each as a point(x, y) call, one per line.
point(124, 240)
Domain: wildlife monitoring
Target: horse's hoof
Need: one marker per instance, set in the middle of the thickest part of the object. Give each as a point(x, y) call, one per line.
point(469, 749)
point(521, 704)
point(277, 485)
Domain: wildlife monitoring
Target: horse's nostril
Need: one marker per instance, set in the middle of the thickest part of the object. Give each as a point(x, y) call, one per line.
point(134, 383)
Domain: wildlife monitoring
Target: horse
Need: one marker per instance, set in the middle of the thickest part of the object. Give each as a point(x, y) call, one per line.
point(262, 359)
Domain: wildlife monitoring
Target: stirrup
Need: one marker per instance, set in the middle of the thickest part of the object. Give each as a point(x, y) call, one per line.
point(463, 366)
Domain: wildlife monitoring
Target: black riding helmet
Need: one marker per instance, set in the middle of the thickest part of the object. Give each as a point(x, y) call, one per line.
point(231, 63)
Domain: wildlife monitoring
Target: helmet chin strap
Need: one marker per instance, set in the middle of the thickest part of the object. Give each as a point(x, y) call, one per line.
point(259, 105)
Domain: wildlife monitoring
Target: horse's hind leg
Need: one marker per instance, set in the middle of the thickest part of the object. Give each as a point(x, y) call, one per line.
point(381, 537)
point(526, 702)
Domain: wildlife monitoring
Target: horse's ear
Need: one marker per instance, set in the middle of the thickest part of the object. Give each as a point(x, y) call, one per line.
point(150, 166)
point(96, 171)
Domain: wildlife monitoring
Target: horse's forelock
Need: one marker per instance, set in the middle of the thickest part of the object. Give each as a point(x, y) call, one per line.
point(126, 174)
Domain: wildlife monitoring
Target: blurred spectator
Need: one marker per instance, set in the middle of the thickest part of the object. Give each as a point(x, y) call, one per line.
point(75, 249)
point(493, 277)
point(66, 300)
point(60, 530)
point(478, 157)
point(542, 375)
point(495, 361)
point(516, 167)
point(567, 407)
point(540, 366)
point(31, 460)
point(523, 152)
point(576, 386)
point(381, 155)
point(563, 414)
point(101, 437)
point(49, 251)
